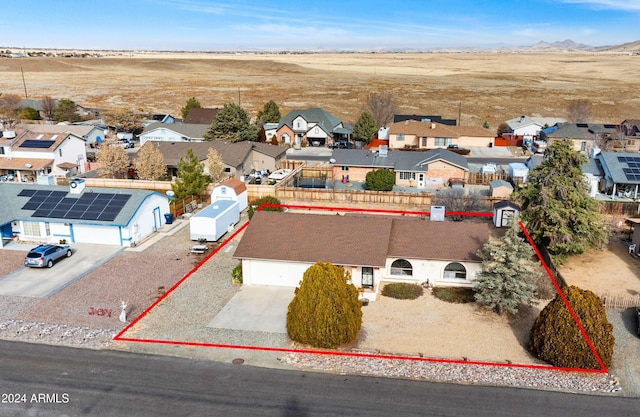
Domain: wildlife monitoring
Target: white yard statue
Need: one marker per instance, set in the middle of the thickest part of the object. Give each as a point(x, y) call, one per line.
point(123, 313)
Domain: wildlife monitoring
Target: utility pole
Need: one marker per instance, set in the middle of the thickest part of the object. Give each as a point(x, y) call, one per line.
point(26, 96)
point(239, 97)
point(460, 113)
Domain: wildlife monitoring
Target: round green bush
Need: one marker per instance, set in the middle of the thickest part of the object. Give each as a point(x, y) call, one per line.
point(268, 203)
point(402, 291)
point(325, 311)
point(458, 295)
point(556, 338)
point(380, 180)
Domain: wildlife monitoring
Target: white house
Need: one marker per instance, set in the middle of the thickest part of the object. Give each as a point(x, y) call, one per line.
point(374, 249)
point(173, 132)
point(530, 127)
point(109, 216)
point(32, 154)
point(90, 134)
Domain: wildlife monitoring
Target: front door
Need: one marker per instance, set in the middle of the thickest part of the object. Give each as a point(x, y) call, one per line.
point(367, 277)
point(421, 180)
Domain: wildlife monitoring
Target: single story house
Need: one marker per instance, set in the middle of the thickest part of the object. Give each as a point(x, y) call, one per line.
point(239, 158)
point(586, 136)
point(424, 118)
point(173, 132)
point(315, 126)
point(50, 213)
point(529, 127)
point(372, 248)
point(90, 134)
point(433, 168)
point(620, 174)
point(29, 155)
point(412, 134)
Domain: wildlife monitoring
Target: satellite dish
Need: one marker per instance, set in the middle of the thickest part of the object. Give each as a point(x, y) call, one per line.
point(332, 161)
point(170, 193)
point(28, 165)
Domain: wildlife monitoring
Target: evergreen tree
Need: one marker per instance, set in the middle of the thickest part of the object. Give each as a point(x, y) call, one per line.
point(191, 178)
point(150, 163)
point(270, 113)
point(556, 204)
point(66, 111)
point(556, 338)
point(380, 180)
point(365, 127)
point(325, 311)
point(192, 103)
point(232, 124)
point(509, 275)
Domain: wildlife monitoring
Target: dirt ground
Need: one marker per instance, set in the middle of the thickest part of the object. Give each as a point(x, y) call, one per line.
point(477, 87)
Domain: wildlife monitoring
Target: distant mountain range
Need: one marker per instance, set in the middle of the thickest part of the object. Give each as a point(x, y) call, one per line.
point(568, 45)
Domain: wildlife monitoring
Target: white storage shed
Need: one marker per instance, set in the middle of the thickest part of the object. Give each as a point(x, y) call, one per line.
point(231, 189)
point(213, 221)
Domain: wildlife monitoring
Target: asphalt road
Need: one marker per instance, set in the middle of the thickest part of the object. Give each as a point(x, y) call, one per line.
point(40, 380)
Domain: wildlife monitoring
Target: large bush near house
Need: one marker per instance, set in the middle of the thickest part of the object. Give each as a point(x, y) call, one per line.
point(556, 338)
point(380, 180)
point(271, 200)
point(402, 291)
point(325, 311)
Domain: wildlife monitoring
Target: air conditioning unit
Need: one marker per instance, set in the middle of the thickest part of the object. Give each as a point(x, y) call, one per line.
point(76, 186)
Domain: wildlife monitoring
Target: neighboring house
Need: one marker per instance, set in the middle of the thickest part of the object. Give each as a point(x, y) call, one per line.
point(314, 125)
point(420, 118)
point(30, 155)
point(270, 130)
point(239, 158)
point(428, 169)
point(372, 248)
point(620, 174)
point(587, 136)
point(530, 127)
point(109, 216)
point(90, 134)
point(163, 118)
point(412, 134)
point(173, 132)
point(201, 116)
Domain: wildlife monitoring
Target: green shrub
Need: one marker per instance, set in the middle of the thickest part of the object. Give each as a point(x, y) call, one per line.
point(458, 295)
point(325, 311)
point(264, 200)
point(380, 180)
point(556, 338)
point(236, 274)
point(402, 291)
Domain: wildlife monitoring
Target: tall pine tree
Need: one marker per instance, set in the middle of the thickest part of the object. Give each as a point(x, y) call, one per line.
point(365, 127)
point(191, 178)
point(508, 278)
point(232, 124)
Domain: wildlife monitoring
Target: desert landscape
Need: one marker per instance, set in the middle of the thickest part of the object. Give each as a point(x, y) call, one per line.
point(475, 87)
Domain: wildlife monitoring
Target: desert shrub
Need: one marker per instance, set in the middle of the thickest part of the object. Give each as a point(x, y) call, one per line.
point(380, 180)
point(236, 274)
point(325, 311)
point(264, 200)
point(458, 295)
point(402, 291)
point(556, 338)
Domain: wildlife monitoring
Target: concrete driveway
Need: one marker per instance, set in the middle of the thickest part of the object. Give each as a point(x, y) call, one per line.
point(256, 308)
point(44, 282)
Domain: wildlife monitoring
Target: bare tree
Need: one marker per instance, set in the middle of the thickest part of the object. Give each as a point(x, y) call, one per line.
point(150, 163)
point(579, 111)
point(215, 165)
point(48, 107)
point(456, 201)
point(112, 159)
point(125, 120)
point(9, 104)
point(382, 107)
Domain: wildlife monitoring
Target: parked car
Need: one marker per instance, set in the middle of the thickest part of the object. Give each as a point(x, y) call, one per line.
point(126, 144)
point(46, 255)
point(279, 174)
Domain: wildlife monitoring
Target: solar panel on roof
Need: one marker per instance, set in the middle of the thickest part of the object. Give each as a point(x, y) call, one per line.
point(27, 193)
point(89, 206)
point(30, 205)
point(37, 143)
point(41, 213)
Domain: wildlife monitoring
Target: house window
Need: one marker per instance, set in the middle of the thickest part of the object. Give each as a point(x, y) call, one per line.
point(47, 229)
point(60, 152)
point(424, 142)
point(345, 168)
point(407, 175)
point(443, 141)
point(223, 190)
point(316, 130)
point(455, 270)
point(227, 169)
point(31, 228)
point(400, 137)
point(583, 146)
point(401, 267)
point(1, 150)
point(367, 277)
point(298, 125)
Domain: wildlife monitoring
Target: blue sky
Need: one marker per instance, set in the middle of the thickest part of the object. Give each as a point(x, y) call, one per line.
point(314, 25)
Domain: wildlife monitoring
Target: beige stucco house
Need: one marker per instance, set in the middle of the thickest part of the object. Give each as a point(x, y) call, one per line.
point(412, 134)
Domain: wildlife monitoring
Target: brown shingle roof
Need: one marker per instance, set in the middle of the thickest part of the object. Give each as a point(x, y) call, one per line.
point(238, 186)
point(296, 237)
point(359, 240)
point(201, 115)
point(414, 127)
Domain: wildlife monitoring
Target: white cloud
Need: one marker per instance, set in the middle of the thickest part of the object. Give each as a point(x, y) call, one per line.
point(625, 5)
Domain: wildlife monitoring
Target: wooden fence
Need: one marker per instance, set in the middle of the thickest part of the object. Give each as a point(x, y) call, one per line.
point(357, 197)
point(544, 253)
point(477, 178)
point(620, 301)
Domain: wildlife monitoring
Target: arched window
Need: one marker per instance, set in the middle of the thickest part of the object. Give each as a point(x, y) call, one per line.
point(401, 267)
point(455, 270)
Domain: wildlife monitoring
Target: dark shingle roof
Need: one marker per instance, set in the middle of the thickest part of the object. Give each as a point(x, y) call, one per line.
point(358, 240)
point(312, 115)
point(397, 160)
point(201, 115)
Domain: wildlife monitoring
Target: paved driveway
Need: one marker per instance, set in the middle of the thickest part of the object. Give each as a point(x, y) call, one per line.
point(256, 308)
point(44, 282)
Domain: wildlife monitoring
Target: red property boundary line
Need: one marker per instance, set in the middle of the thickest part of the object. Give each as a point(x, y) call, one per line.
point(120, 336)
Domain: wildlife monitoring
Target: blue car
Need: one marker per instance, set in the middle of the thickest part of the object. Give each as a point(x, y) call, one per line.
point(46, 255)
